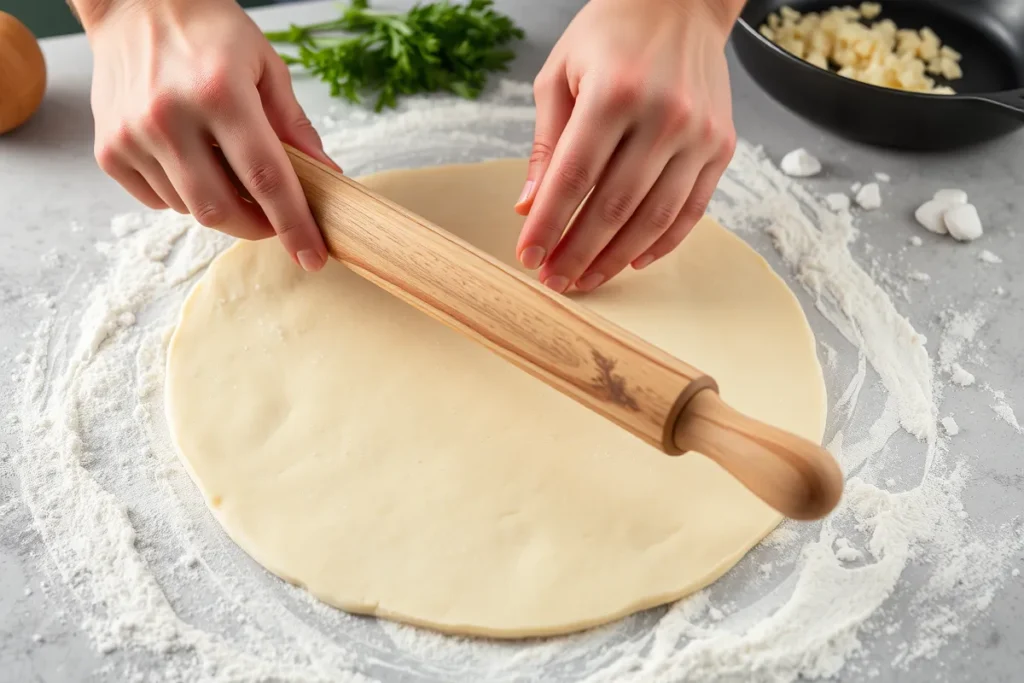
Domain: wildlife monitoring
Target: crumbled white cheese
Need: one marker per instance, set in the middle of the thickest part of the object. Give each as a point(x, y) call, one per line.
point(869, 197)
point(950, 426)
point(931, 215)
point(800, 164)
point(855, 188)
point(837, 201)
point(882, 177)
point(951, 197)
point(916, 241)
point(963, 222)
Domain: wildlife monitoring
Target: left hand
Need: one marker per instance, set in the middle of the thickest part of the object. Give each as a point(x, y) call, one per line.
point(634, 105)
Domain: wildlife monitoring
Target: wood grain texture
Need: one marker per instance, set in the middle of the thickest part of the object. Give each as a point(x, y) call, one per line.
point(591, 360)
point(795, 476)
point(652, 394)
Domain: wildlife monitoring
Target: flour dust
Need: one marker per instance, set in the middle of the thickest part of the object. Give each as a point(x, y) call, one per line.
point(165, 595)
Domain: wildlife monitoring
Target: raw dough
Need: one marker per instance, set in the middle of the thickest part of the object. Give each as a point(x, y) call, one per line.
point(354, 446)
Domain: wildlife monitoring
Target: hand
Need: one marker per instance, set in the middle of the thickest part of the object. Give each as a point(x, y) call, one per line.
point(634, 105)
point(172, 78)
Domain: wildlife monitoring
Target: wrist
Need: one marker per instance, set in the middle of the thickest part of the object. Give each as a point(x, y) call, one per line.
point(721, 13)
point(91, 13)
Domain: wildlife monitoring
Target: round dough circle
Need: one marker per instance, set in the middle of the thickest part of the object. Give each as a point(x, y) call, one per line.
point(356, 447)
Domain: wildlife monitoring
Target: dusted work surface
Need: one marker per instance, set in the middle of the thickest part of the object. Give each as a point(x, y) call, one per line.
point(365, 467)
point(56, 206)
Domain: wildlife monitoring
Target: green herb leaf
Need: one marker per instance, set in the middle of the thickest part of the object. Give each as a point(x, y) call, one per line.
point(434, 47)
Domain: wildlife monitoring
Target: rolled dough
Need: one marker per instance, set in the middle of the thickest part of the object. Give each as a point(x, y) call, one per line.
point(356, 447)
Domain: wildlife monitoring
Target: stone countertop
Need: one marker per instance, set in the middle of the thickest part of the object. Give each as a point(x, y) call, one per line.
point(48, 179)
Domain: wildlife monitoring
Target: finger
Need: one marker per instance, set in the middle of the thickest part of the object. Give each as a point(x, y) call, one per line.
point(152, 172)
point(554, 102)
point(132, 181)
point(260, 162)
point(284, 113)
point(655, 216)
point(629, 177)
point(587, 143)
point(207, 190)
point(692, 211)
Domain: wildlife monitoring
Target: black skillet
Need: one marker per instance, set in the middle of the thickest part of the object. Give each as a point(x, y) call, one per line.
point(990, 96)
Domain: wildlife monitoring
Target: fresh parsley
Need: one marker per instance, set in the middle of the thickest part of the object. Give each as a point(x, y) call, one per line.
point(438, 46)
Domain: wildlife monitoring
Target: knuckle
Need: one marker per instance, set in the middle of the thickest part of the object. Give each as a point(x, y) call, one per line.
point(618, 209)
point(574, 177)
point(543, 83)
point(728, 144)
point(209, 214)
point(676, 112)
point(541, 152)
point(159, 115)
point(662, 217)
point(106, 158)
point(213, 87)
point(264, 179)
point(623, 91)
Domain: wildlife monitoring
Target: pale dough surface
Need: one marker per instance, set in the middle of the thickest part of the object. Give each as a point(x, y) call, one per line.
point(356, 447)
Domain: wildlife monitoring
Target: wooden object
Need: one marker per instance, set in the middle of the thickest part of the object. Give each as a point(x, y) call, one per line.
point(654, 395)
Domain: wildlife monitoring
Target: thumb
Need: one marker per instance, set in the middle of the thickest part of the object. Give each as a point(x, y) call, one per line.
point(554, 107)
point(286, 116)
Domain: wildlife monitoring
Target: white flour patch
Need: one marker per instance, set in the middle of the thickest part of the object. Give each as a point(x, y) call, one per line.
point(159, 587)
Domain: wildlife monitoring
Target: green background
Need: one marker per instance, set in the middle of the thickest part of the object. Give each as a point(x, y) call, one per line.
point(53, 18)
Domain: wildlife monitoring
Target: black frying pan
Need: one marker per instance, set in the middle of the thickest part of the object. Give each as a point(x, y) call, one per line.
point(990, 100)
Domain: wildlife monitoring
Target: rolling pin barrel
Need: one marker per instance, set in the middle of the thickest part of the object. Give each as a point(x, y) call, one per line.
point(648, 392)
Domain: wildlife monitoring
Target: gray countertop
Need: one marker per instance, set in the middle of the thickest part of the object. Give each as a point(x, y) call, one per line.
point(48, 179)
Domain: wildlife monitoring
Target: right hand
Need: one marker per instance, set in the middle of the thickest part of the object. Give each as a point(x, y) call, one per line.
point(173, 78)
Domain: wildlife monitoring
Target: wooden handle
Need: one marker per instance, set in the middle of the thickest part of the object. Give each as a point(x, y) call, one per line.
point(793, 475)
point(588, 358)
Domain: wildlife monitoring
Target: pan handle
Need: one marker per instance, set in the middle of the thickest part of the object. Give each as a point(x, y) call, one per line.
point(1010, 101)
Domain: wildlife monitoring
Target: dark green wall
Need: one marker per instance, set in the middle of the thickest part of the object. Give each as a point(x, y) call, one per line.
point(53, 18)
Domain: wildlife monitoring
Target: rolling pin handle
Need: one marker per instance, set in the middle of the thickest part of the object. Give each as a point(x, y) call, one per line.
point(793, 475)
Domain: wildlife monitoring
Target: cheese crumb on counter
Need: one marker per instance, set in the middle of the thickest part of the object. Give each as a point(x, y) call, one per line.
point(950, 426)
point(963, 222)
point(838, 202)
point(869, 197)
point(960, 376)
point(800, 164)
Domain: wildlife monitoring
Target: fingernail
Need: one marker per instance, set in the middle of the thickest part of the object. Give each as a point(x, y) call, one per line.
point(643, 262)
point(310, 261)
point(557, 283)
point(532, 257)
point(589, 282)
point(525, 194)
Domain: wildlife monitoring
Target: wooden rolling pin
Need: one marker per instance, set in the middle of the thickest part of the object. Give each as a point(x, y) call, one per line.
point(657, 397)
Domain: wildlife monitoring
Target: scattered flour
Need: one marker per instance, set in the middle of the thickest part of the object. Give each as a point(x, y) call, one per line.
point(987, 256)
point(959, 329)
point(158, 586)
point(1004, 410)
point(916, 241)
